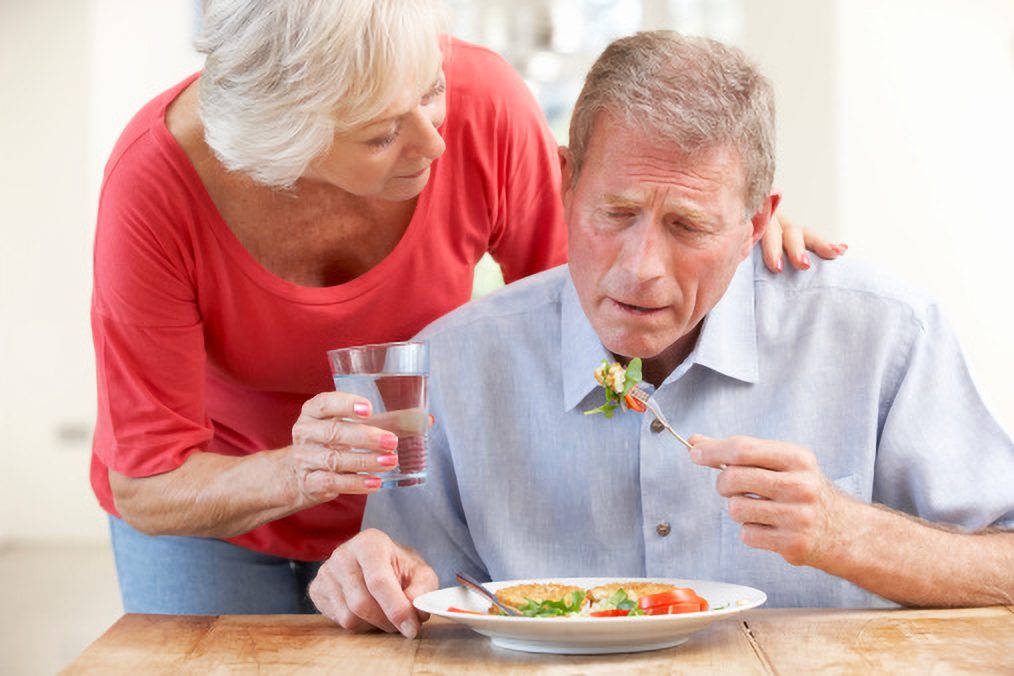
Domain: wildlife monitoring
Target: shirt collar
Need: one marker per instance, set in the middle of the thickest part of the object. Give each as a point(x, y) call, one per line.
point(727, 344)
point(728, 340)
point(582, 351)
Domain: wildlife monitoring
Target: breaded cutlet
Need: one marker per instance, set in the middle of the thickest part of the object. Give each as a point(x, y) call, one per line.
point(635, 590)
point(518, 595)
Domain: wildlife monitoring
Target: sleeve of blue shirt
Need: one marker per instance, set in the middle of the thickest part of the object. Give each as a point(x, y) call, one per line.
point(431, 513)
point(923, 467)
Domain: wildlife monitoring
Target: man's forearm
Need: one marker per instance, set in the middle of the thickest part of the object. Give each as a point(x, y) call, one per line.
point(916, 563)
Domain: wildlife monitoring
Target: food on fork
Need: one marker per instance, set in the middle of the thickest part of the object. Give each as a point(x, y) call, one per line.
point(618, 381)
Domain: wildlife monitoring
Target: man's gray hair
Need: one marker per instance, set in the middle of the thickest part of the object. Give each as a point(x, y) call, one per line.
point(281, 77)
point(696, 93)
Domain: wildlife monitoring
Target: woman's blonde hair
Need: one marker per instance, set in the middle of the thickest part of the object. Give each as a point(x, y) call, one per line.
point(281, 77)
point(696, 93)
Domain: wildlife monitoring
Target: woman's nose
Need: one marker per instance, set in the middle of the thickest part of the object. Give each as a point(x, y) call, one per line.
point(428, 142)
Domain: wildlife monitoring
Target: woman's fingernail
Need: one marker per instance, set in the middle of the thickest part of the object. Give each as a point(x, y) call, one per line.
point(408, 629)
point(695, 455)
point(843, 247)
point(361, 409)
point(373, 481)
point(806, 261)
point(778, 264)
point(389, 460)
point(388, 442)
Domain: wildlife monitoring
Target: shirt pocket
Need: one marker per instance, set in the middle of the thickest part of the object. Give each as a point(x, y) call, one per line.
point(787, 585)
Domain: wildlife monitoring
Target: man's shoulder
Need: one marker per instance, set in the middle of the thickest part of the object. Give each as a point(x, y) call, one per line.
point(518, 302)
point(850, 279)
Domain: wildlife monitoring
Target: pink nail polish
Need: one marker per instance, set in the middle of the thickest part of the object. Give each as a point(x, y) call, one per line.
point(389, 460)
point(389, 442)
point(806, 261)
point(778, 265)
point(373, 482)
point(361, 409)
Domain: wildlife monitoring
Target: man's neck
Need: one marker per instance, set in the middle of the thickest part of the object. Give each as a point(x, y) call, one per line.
point(656, 369)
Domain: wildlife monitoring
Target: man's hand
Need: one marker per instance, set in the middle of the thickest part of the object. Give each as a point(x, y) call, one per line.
point(778, 492)
point(371, 581)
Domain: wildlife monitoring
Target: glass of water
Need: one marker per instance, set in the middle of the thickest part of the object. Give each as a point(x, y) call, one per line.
point(393, 376)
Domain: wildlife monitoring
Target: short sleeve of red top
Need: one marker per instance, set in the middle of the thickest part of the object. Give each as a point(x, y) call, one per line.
point(200, 349)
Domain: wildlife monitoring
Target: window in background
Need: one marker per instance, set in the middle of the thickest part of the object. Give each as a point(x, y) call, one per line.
point(552, 45)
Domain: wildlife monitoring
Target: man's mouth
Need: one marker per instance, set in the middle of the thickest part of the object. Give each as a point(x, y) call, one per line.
point(636, 309)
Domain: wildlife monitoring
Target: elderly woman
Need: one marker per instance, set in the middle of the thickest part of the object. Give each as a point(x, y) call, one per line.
point(331, 178)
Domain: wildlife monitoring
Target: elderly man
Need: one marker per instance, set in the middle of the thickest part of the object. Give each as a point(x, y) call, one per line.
point(865, 465)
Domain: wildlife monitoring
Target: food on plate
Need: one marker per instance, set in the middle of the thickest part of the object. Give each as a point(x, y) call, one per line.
point(545, 599)
point(618, 381)
point(635, 590)
point(616, 599)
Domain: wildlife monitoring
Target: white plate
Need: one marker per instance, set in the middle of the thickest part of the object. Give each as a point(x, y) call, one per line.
point(591, 635)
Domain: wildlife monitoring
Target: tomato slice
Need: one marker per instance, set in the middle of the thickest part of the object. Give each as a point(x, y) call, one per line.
point(666, 598)
point(462, 610)
point(675, 608)
point(634, 404)
point(615, 612)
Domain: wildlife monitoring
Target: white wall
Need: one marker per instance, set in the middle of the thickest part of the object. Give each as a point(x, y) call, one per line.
point(72, 73)
point(925, 146)
point(895, 136)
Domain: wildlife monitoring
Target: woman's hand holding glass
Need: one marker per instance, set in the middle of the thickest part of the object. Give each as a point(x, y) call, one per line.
point(321, 461)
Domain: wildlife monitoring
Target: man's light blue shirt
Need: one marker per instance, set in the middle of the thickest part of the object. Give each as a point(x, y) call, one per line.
point(842, 359)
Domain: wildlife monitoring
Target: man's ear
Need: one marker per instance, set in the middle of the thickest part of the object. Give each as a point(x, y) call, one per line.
point(566, 175)
point(762, 217)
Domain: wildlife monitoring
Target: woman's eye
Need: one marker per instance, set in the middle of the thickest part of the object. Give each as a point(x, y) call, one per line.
point(382, 141)
point(434, 93)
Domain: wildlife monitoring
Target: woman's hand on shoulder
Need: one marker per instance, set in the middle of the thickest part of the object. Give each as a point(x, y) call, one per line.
point(782, 235)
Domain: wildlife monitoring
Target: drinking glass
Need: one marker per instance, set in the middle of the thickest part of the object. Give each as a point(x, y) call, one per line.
point(393, 376)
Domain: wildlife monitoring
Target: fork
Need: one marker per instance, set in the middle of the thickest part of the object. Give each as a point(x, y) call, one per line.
point(637, 393)
point(468, 582)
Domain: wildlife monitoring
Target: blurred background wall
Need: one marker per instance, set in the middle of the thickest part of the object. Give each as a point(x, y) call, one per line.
point(895, 136)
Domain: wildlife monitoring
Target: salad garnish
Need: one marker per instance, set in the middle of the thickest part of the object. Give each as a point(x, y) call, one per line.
point(554, 608)
point(618, 382)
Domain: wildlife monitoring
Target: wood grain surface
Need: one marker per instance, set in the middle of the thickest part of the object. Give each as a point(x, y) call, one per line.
point(762, 641)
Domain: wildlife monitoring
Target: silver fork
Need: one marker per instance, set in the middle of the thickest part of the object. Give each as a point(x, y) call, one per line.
point(637, 393)
point(469, 582)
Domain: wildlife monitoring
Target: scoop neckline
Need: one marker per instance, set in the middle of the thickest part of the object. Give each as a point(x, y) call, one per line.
point(249, 265)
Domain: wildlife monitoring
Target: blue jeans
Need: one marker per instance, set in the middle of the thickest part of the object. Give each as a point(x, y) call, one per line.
point(176, 575)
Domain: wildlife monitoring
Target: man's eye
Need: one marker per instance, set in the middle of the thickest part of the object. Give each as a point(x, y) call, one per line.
point(620, 214)
point(684, 226)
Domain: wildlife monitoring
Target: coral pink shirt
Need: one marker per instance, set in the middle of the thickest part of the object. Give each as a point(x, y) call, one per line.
point(200, 349)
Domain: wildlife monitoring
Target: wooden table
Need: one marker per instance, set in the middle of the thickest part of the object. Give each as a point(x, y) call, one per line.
point(778, 641)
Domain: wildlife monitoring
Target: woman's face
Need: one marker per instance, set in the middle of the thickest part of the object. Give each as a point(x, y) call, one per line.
point(388, 157)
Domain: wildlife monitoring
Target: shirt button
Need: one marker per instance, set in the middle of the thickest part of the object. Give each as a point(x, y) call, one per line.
point(656, 426)
point(663, 529)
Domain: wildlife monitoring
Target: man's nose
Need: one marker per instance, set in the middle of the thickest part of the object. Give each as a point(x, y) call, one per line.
point(644, 252)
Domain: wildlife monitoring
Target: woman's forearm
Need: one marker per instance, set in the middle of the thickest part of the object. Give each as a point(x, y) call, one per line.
point(210, 495)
